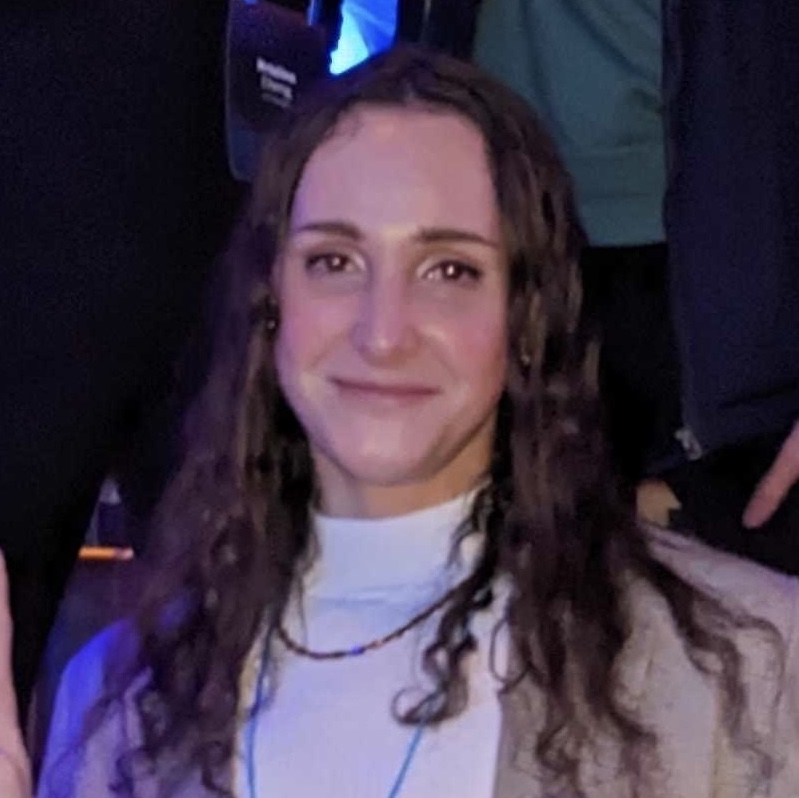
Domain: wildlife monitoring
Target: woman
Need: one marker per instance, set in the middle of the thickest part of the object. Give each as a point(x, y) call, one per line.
point(393, 561)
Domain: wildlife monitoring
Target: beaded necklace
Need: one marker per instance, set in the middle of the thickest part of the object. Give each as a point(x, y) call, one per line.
point(357, 651)
point(354, 651)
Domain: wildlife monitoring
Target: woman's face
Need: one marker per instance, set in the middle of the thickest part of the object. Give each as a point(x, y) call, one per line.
point(393, 290)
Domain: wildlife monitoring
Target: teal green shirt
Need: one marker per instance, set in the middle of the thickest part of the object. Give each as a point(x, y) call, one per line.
point(592, 71)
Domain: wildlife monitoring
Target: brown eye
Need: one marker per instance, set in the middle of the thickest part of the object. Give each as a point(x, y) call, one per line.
point(453, 271)
point(328, 263)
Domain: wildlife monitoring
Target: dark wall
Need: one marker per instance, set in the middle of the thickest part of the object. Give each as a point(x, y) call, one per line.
point(114, 199)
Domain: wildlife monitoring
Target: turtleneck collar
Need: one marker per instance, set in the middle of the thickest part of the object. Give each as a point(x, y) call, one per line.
point(362, 558)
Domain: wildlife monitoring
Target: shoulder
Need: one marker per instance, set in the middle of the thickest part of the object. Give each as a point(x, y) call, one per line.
point(84, 675)
point(69, 768)
point(763, 595)
point(735, 582)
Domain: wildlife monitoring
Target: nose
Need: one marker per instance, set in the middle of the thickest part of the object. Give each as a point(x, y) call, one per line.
point(384, 330)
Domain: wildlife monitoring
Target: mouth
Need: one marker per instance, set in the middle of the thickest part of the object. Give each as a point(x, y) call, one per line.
point(392, 392)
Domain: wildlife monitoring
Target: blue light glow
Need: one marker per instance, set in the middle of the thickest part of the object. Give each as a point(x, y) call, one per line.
point(351, 48)
point(367, 27)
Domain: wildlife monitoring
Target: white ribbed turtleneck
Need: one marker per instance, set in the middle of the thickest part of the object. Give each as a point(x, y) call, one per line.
point(329, 730)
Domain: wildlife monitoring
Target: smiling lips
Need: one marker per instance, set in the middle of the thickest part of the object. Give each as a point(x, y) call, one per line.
point(403, 393)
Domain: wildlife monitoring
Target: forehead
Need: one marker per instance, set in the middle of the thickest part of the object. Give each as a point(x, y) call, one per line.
point(401, 167)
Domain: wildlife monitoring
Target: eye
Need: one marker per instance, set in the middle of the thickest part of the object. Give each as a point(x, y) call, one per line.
point(454, 271)
point(329, 263)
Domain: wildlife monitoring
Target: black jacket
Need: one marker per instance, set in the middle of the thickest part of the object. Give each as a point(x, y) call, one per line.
point(732, 212)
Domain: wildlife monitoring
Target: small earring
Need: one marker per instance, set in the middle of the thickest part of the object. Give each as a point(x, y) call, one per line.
point(271, 315)
point(525, 358)
point(266, 311)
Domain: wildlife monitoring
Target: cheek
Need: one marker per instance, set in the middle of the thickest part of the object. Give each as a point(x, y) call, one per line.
point(308, 330)
point(290, 343)
point(296, 335)
point(479, 352)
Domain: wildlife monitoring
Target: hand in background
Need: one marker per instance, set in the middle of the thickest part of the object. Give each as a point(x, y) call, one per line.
point(775, 485)
point(15, 778)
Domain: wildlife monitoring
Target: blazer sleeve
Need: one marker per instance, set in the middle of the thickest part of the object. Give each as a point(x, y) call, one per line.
point(787, 778)
point(74, 767)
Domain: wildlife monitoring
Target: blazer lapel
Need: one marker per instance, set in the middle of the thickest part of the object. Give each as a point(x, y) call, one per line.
point(518, 774)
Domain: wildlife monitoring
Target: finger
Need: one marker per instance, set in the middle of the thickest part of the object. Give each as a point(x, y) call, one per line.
point(15, 777)
point(769, 494)
point(775, 485)
point(7, 697)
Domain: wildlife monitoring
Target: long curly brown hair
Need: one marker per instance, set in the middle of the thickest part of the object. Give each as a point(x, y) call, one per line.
point(233, 531)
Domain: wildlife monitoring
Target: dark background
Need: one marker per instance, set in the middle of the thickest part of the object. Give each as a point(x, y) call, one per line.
point(114, 199)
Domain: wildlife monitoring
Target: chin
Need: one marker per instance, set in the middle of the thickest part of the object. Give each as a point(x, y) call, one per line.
point(383, 472)
point(384, 454)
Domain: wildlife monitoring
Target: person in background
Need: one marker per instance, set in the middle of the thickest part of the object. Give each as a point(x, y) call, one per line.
point(394, 560)
point(678, 122)
point(593, 73)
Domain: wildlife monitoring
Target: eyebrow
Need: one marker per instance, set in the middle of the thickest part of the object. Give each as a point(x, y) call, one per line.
point(425, 235)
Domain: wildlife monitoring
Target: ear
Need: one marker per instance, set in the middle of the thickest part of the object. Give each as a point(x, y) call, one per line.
point(271, 314)
point(265, 308)
point(274, 284)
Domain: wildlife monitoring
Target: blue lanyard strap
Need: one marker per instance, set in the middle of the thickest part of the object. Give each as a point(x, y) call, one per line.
point(252, 726)
point(396, 788)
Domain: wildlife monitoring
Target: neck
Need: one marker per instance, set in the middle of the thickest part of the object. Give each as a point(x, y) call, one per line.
point(379, 501)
